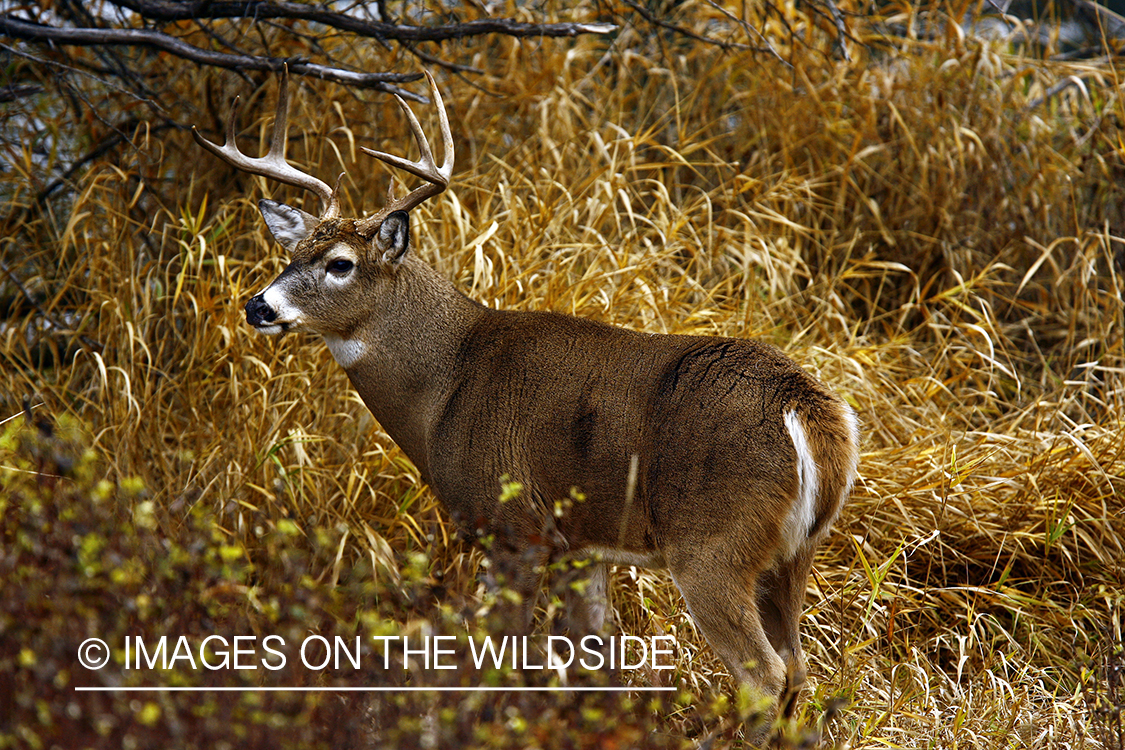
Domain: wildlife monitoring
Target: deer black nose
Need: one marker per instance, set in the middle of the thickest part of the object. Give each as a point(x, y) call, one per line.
point(258, 312)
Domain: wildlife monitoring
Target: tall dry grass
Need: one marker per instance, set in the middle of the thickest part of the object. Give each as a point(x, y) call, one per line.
point(924, 227)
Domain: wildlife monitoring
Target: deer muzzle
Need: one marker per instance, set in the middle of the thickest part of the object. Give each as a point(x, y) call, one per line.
point(260, 315)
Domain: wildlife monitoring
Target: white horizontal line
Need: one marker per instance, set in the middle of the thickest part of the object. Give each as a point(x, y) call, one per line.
point(477, 689)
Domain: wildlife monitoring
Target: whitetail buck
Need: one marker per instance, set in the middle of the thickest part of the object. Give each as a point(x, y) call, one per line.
point(716, 458)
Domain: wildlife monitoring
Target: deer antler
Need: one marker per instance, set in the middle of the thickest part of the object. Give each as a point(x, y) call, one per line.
point(437, 178)
point(273, 164)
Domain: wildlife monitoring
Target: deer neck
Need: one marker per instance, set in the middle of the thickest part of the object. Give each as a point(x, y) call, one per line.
point(402, 360)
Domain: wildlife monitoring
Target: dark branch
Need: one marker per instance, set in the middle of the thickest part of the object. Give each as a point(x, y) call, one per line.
point(14, 91)
point(681, 30)
point(167, 11)
point(89, 343)
point(87, 37)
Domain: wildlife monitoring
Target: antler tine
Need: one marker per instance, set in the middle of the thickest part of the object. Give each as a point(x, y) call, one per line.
point(425, 167)
point(273, 165)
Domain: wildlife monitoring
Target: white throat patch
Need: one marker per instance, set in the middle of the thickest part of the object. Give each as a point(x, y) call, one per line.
point(345, 351)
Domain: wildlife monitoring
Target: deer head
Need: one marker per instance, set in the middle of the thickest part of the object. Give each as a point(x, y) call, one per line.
point(334, 261)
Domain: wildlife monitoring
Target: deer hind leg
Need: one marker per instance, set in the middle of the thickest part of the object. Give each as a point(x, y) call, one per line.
point(781, 599)
point(725, 608)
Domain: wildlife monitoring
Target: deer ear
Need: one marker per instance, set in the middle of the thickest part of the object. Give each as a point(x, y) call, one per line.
point(393, 237)
point(287, 224)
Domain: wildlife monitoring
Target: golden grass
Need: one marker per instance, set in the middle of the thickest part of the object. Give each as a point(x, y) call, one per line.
point(911, 226)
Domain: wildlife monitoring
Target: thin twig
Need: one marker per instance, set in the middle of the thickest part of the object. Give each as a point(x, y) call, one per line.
point(452, 67)
point(645, 14)
point(1068, 82)
point(748, 28)
point(118, 137)
point(86, 340)
point(841, 28)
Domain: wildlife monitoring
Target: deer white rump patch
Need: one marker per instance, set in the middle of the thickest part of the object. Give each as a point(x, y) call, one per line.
point(802, 514)
point(853, 432)
point(345, 351)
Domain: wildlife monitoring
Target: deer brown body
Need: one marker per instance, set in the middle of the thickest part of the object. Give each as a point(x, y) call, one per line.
point(719, 459)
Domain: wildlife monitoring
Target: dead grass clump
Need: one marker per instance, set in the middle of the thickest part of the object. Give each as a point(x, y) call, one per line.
point(926, 227)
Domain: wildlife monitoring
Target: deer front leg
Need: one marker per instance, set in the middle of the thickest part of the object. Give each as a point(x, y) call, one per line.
point(584, 589)
point(514, 577)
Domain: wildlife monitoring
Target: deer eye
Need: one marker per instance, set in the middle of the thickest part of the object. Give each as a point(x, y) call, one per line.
point(340, 266)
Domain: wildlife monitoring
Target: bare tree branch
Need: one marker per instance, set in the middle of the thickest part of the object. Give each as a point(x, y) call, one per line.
point(11, 92)
point(258, 10)
point(87, 37)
